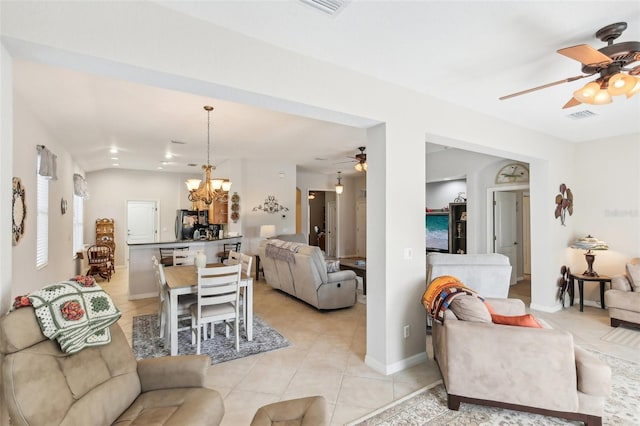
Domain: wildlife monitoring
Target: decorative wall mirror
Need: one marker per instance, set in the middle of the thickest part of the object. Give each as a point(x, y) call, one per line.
point(19, 210)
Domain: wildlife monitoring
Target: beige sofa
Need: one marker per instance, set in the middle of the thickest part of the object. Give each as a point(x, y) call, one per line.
point(306, 278)
point(101, 385)
point(519, 368)
point(623, 300)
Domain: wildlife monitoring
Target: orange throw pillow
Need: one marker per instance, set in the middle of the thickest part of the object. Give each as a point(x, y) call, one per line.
point(527, 320)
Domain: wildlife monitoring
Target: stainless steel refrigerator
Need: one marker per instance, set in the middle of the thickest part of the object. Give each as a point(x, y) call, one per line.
point(187, 221)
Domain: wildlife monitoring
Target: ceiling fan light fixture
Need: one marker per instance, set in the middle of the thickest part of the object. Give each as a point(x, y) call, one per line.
point(635, 88)
point(587, 94)
point(359, 167)
point(602, 97)
point(621, 83)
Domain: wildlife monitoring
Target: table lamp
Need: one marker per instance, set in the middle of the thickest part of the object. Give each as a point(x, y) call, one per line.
point(589, 244)
point(267, 231)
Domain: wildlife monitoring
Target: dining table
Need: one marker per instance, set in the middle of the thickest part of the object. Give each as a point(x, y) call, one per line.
point(183, 279)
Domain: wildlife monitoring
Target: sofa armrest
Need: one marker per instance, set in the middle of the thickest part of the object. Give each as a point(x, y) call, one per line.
point(518, 365)
point(594, 375)
point(334, 277)
point(183, 371)
point(506, 306)
point(620, 282)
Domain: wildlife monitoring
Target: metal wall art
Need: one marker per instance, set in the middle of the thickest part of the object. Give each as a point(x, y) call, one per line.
point(564, 203)
point(235, 207)
point(271, 205)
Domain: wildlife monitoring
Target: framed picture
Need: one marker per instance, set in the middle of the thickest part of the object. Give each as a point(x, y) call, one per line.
point(463, 216)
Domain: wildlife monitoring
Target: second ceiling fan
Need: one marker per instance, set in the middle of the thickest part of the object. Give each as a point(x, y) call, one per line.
point(610, 62)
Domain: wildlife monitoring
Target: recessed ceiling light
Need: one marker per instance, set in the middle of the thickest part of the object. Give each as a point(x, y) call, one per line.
point(113, 150)
point(114, 158)
point(168, 155)
point(115, 164)
point(164, 163)
point(159, 167)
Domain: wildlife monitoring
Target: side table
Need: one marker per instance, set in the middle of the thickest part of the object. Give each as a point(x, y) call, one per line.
point(602, 279)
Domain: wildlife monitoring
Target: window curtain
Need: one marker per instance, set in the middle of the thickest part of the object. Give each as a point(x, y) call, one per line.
point(80, 186)
point(48, 163)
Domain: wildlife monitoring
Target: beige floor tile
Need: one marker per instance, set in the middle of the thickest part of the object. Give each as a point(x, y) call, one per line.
point(309, 383)
point(365, 392)
point(327, 354)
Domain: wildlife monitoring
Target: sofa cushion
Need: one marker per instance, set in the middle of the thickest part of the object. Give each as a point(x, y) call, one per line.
point(633, 272)
point(526, 320)
point(470, 308)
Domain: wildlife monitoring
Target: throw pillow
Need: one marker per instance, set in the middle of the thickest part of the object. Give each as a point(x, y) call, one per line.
point(470, 308)
point(527, 320)
point(633, 272)
point(332, 265)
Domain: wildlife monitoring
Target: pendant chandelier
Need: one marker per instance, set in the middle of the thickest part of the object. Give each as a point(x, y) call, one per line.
point(209, 190)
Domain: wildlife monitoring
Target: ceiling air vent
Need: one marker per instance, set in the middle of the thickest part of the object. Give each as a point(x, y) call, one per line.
point(581, 114)
point(178, 142)
point(330, 7)
point(191, 164)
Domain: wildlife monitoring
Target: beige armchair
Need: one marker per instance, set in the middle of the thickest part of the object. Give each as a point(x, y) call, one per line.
point(101, 385)
point(528, 369)
point(623, 300)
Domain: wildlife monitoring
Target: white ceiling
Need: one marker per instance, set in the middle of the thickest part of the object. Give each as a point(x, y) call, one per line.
point(468, 53)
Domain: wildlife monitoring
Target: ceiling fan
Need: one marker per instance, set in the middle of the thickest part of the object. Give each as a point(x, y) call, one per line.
point(610, 62)
point(360, 160)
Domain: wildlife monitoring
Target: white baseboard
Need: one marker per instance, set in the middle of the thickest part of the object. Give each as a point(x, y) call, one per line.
point(396, 366)
point(143, 296)
point(550, 309)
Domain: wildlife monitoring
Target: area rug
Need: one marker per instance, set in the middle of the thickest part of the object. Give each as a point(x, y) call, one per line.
point(147, 343)
point(623, 336)
point(428, 406)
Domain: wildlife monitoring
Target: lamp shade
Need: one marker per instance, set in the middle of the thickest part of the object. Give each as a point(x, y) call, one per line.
point(589, 243)
point(267, 231)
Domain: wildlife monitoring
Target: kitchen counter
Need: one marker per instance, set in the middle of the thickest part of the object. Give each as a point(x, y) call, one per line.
point(179, 242)
point(142, 277)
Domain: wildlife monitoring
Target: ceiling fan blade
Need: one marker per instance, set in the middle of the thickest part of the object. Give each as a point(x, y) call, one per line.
point(544, 86)
point(572, 102)
point(585, 54)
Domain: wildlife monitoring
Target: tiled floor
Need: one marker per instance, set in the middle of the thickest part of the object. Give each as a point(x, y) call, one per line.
point(327, 354)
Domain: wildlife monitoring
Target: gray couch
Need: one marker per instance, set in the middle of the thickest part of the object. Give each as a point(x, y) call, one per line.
point(623, 300)
point(307, 278)
point(519, 368)
point(101, 385)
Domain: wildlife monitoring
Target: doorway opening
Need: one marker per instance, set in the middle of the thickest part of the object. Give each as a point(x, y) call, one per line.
point(323, 220)
point(510, 234)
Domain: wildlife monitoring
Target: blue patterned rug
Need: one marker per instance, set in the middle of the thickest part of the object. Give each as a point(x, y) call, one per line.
point(147, 343)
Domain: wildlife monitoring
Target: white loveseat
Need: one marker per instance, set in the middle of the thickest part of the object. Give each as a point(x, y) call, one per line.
point(488, 274)
point(306, 278)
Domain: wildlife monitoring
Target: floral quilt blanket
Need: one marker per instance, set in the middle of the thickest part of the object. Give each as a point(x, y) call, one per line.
point(77, 313)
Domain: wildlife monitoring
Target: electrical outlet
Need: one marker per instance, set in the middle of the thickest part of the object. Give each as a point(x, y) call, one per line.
point(407, 331)
point(408, 253)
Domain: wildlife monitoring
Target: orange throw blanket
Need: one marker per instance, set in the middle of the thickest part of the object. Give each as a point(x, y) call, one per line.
point(440, 292)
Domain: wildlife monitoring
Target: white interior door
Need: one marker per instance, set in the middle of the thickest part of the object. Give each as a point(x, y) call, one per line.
point(142, 224)
point(504, 215)
point(361, 228)
point(331, 228)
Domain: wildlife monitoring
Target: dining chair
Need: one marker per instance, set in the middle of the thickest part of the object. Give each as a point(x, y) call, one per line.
point(184, 257)
point(245, 260)
point(99, 260)
point(226, 249)
point(166, 254)
point(163, 302)
point(184, 302)
point(218, 301)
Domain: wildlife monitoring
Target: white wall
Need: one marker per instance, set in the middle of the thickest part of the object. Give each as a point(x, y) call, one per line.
point(289, 82)
point(438, 195)
point(29, 132)
point(6, 174)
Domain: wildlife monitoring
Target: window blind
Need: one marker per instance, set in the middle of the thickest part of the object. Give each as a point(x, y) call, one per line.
point(42, 222)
